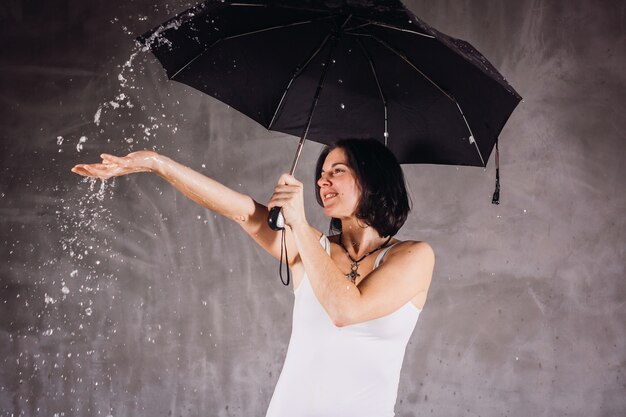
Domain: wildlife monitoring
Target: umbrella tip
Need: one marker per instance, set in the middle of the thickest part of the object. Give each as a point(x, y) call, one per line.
point(496, 195)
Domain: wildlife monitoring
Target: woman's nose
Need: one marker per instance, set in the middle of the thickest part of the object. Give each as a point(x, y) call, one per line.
point(323, 180)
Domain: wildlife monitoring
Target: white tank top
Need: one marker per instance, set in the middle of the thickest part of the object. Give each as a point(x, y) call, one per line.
point(350, 371)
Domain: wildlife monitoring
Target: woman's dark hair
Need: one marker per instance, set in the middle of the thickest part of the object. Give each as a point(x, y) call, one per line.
point(384, 203)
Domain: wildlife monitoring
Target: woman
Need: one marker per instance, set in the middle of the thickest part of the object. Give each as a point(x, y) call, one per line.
point(358, 293)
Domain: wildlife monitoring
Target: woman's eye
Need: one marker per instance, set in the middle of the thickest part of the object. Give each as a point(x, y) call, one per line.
point(338, 171)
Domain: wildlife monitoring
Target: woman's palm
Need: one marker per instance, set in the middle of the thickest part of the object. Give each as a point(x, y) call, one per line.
point(113, 166)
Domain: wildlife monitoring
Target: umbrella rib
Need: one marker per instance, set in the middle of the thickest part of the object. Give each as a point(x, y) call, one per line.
point(283, 6)
point(380, 89)
point(388, 26)
point(276, 27)
point(244, 34)
point(408, 61)
point(472, 138)
point(296, 73)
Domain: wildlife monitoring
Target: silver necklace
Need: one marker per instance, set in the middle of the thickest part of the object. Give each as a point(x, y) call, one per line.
point(354, 267)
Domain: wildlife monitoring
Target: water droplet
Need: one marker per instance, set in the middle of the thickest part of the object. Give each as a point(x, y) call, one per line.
point(343, 106)
point(79, 146)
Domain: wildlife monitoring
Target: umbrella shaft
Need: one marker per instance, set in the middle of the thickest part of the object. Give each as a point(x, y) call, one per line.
point(298, 152)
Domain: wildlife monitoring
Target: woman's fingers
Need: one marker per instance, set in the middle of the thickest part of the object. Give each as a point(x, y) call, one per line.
point(285, 193)
point(78, 169)
point(82, 169)
point(280, 199)
point(283, 179)
point(101, 172)
point(108, 159)
point(96, 170)
point(113, 166)
point(288, 179)
point(281, 196)
point(286, 189)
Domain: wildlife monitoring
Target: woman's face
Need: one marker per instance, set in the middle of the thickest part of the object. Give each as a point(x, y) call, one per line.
point(339, 189)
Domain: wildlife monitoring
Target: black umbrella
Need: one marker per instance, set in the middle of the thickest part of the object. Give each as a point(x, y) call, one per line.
point(327, 70)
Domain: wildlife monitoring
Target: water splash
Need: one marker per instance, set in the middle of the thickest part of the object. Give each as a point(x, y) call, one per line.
point(81, 222)
point(85, 223)
point(128, 103)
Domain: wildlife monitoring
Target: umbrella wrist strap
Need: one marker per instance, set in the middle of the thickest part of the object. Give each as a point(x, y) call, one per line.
point(283, 248)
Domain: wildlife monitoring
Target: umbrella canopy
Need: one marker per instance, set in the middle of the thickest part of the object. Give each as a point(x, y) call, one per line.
point(334, 69)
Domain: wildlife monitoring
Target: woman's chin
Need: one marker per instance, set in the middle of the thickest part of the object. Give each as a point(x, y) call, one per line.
point(334, 213)
point(329, 212)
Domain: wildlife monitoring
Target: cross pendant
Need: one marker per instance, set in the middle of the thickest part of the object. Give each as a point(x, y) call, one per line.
point(353, 274)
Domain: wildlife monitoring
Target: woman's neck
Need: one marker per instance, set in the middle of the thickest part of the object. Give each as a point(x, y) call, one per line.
point(359, 240)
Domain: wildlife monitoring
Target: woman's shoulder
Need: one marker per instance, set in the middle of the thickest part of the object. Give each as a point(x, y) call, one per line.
point(415, 257)
point(412, 244)
point(414, 249)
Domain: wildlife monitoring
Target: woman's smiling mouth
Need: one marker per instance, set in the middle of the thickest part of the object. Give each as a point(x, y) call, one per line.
point(329, 195)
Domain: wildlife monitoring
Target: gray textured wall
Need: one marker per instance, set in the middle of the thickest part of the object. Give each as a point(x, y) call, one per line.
point(125, 299)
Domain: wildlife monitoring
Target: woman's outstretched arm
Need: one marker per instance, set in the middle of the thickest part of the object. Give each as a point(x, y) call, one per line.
point(205, 191)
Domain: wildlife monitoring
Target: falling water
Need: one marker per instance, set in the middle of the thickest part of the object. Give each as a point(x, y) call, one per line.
point(87, 227)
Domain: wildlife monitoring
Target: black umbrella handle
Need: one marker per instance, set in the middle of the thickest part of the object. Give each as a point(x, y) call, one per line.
point(275, 219)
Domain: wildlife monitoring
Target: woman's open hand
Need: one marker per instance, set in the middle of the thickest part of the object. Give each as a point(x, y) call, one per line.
point(114, 166)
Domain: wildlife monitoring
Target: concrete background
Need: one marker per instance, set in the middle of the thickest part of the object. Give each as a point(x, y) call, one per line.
point(125, 299)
